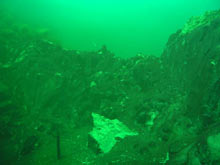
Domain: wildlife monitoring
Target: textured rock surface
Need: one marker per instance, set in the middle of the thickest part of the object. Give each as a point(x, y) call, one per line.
point(214, 146)
point(106, 131)
point(192, 59)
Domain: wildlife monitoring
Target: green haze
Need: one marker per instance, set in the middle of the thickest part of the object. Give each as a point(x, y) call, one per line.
point(125, 27)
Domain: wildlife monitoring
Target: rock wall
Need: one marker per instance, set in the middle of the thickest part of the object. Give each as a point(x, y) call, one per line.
point(192, 58)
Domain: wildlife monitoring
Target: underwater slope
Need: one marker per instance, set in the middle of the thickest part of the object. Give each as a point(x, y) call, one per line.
point(192, 58)
point(75, 107)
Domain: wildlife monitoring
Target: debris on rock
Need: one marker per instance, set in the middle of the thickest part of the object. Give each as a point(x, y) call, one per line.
point(106, 131)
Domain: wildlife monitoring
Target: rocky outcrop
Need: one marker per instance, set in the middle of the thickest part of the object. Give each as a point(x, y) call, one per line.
point(193, 62)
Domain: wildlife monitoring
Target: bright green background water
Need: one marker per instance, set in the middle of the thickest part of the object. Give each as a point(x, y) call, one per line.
point(127, 27)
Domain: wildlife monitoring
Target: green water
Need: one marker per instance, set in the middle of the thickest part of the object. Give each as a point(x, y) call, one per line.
point(67, 97)
point(125, 27)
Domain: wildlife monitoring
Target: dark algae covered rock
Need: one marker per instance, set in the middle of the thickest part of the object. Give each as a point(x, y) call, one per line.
point(64, 106)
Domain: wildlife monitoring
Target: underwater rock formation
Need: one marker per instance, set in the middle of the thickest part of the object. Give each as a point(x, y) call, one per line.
point(172, 101)
point(106, 131)
point(192, 58)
